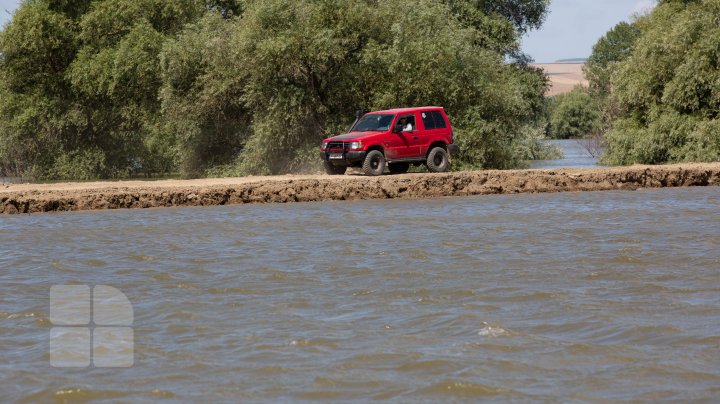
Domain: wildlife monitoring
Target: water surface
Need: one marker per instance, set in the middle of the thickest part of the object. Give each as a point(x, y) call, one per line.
point(575, 155)
point(560, 297)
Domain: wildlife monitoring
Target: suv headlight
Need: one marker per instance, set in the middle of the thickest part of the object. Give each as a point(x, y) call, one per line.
point(323, 146)
point(355, 145)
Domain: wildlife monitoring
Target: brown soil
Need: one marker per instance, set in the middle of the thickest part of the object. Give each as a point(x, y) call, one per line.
point(563, 76)
point(33, 198)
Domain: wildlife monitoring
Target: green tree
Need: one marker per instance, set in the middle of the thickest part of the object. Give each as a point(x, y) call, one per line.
point(500, 23)
point(574, 115)
point(668, 89)
point(37, 46)
point(614, 47)
point(107, 88)
point(226, 8)
point(80, 84)
point(299, 71)
point(202, 96)
point(523, 14)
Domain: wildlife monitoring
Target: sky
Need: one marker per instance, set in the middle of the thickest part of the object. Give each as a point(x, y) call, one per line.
point(7, 7)
point(571, 29)
point(574, 26)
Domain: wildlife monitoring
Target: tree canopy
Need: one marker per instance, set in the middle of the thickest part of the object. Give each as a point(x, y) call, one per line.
point(668, 88)
point(109, 88)
point(614, 47)
point(574, 115)
point(523, 14)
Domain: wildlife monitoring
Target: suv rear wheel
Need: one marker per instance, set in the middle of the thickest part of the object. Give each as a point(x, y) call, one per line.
point(331, 169)
point(437, 160)
point(374, 163)
point(399, 168)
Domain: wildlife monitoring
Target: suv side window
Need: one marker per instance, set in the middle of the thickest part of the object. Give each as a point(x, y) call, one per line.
point(439, 120)
point(428, 120)
point(433, 120)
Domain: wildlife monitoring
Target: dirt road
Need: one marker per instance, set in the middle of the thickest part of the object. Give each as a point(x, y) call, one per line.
point(35, 198)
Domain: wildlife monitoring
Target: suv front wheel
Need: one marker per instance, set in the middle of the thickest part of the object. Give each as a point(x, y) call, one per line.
point(437, 160)
point(374, 163)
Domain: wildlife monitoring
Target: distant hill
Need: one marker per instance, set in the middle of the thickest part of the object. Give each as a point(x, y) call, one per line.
point(576, 60)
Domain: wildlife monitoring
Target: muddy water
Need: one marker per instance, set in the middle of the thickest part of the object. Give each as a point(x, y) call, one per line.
point(575, 296)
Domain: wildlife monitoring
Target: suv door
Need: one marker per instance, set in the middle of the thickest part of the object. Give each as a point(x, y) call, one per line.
point(436, 128)
point(403, 145)
point(418, 137)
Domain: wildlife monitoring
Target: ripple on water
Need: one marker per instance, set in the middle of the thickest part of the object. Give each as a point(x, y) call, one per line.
point(464, 389)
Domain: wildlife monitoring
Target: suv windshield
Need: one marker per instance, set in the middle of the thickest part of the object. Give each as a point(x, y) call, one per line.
point(373, 122)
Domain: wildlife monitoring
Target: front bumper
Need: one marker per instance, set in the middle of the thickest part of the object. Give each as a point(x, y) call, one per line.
point(349, 157)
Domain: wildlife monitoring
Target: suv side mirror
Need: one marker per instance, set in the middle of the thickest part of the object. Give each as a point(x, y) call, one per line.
point(398, 129)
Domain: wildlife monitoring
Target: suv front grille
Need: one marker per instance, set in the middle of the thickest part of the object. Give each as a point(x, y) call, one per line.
point(336, 145)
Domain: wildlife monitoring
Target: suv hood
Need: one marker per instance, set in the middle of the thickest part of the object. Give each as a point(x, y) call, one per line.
point(353, 136)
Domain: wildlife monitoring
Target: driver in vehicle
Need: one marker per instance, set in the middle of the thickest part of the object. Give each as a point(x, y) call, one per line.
point(406, 124)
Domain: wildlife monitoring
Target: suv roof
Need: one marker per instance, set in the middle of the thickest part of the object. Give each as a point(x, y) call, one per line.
point(403, 110)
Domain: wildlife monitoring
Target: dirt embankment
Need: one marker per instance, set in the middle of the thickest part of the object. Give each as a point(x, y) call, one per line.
point(33, 198)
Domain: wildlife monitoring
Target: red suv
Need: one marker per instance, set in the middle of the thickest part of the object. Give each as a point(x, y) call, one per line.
point(394, 139)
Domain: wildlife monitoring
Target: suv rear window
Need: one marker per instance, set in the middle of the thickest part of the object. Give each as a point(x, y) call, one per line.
point(433, 120)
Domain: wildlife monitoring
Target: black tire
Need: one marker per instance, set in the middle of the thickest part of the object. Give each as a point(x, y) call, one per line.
point(374, 163)
point(438, 161)
point(399, 168)
point(331, 169)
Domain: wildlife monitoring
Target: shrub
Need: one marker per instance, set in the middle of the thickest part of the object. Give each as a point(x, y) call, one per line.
point(574, 115)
